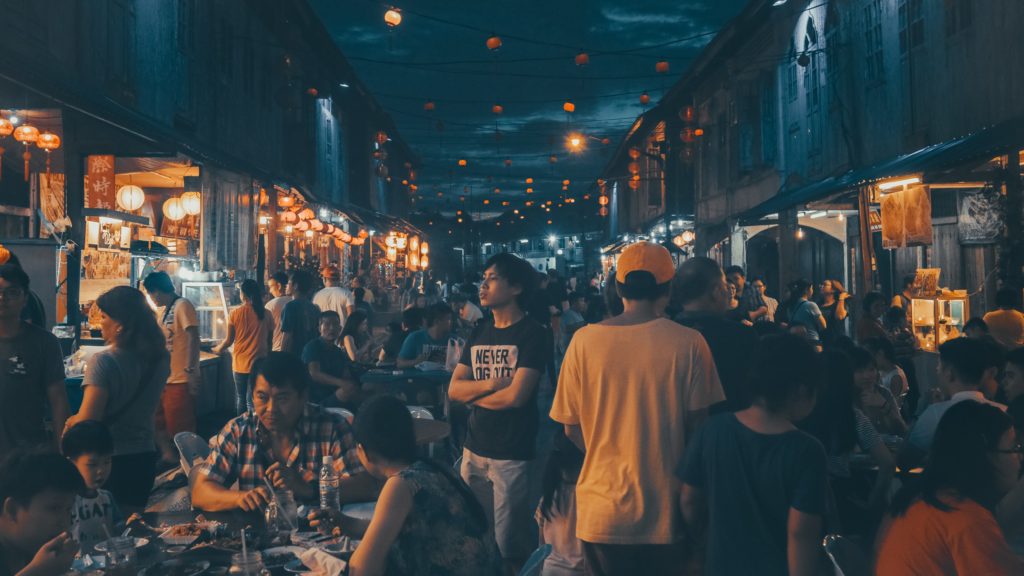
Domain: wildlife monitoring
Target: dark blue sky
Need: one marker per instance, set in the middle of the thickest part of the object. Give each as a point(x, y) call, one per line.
point(438, 53)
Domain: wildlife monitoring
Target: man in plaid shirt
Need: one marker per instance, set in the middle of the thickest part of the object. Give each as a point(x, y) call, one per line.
point(751, 303)
point(284, 440)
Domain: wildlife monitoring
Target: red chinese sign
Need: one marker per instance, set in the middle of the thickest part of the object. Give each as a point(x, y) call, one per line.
point(100, 191)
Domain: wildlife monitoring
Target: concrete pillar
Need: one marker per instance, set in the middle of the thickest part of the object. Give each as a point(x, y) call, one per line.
point(788, 256)
point(738, 246)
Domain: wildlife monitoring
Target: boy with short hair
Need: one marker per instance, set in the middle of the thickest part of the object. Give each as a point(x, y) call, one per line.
point(90, 447)
point(37, 491)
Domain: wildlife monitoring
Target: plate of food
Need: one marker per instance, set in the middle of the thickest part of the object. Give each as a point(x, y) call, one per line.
point(280, 556)
point(177, 568)
point(342, 548)
point(182, 534)
point(139, 543)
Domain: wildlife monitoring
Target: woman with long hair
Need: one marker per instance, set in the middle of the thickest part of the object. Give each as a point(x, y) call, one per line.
point(355, 338)
point(427, 521)
point(843, 428)
point(804, 315)
point(556, 513)
point(251, 330)
point(944, 522)
point(122, 389)
point(832, 302)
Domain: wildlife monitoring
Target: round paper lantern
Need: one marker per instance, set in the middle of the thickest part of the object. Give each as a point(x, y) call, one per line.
point(429, 106)
point(130, 197)
point(393, 17)
point(425, 262)
point(316, 225)
point(634, 184)
point(286, 201)
point(645, 98)
point(289, 217)
point(582, 59)
point(6, 128)
point(493, 43)
point(329, 229)
point(603, 211)
point(302, 226)
point(345, 237)
point(634, 153)
point(462, 162)
point(529, 180)
point(602, 200)
point(358, 241)
point(192, 202)
point(634, 167)
point(26, 134)
point(174, 210)
point(661, 67)
point(339, 244)
point(565, 182)
point(363, 234)
point(569, 107)
point(307, 214)
point(497, 108)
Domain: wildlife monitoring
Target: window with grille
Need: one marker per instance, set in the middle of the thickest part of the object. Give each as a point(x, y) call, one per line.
point(959, 15)
point(874, 60)
point(911, 25)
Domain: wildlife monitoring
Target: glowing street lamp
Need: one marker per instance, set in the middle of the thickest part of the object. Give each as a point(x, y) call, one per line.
point(575, 142)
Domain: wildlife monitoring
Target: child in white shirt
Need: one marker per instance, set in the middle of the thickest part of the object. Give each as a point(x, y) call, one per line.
point(95, 515)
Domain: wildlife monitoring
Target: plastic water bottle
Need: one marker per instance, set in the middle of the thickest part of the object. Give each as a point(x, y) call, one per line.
point(329, 497)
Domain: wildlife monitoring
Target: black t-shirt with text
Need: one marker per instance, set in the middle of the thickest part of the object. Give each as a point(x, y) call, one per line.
point(491, 352)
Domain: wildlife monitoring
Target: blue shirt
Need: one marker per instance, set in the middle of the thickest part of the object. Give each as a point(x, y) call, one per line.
point(420, 342)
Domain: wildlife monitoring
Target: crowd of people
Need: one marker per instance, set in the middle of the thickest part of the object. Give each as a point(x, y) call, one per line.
point(698, 425)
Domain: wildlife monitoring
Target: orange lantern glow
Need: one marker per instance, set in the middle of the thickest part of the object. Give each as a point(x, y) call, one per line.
point(286, 201)
point(49, 142)
point(27, 135)
point(192, 202)
point(130, 197)
point(382, 137)
point(307, 214)
point(582, 59)
point(173, 209)
point(603, 211)
point(288, 217)
point(462, 162)
point(429, 106)
point(363, 234)
point(358, 241)
point(645, 98)
point(602, 200)
point(634, 153)
point(606, 141)
point(686, 114)
point(634, 167)
point(345, 237)
point(6, 129)
point(529, 180)
point(698, 132)
point(634, 184)
point(569, 107)
point(553, 159)
point(661, 67)
point(565, 182)
point(497, 109)
point(393, 17)
point(493, 43)
point(529, 190)
point(302, 226)
point(316, 224)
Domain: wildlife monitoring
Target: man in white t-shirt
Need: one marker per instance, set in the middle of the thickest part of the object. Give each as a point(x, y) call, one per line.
point(333, 296)
point(278, 286)
point(645, 374)
point(176, 412)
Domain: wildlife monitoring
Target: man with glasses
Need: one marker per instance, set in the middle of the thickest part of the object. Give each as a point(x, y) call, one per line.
point(770, 302)
point(31, 370)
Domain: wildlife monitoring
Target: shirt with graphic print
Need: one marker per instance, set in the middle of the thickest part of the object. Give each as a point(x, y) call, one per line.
point(508, 434)
point(93, 518)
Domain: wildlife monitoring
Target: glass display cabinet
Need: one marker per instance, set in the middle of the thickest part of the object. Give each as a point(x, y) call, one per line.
point(211, 305)
point(938, 319)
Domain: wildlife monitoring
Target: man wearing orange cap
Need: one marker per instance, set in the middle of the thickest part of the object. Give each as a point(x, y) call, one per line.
point(333, 296)
point(632, 390)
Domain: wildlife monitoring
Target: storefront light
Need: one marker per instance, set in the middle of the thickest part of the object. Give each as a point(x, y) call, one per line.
point(192, 203)
point(898, 183)
point(310, 233)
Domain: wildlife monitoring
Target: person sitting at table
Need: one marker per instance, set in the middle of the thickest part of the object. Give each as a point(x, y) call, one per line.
point(431, 343)
point(874, 399)
point(943, 523)
point(427, 521)
point(329, 366)
point(963, 363)
point(356, 338)
point(37, 491)
point(283, 440)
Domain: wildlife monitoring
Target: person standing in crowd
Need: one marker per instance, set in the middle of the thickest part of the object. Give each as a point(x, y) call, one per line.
point(647, 374)
point(427, 521)
point(943, 523)
point(278, 285)
point(753, 483)
point(469, 313)
point(123, 386)
point(751, 303)
point(90, 447)
point(356, 339)
point(833, 309)
point(360, 303)
point(904, 299)
point(333, 296)
point(37, 492)
point(360, 282)
point(497, 377)
point(962, 365)
point(300, 318)
point(34, 377)
point(330, 368)
point(283, 440)
point(572, 319)
point(869, 325)
point(556, 513)
point(177, 409)
point(431, 343)
point(700, 288)
point(558, 297)
point(735, 311)
point(1006, 323)
point(771, 303)
point(33, 310)
point(804, 314)
point(251, 330)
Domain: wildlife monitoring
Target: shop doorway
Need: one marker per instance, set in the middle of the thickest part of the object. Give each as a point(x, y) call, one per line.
point(819, 256)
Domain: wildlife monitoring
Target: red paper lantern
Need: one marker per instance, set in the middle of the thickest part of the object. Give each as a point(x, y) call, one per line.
point(582, 59)
point(645, 99)
point(428, 106)
point(569, 107)
point(497, 109)
point(634, 153)
point(661, 67)
point(393, 17)
point(493, 43)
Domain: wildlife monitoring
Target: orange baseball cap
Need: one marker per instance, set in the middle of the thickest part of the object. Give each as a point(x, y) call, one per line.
point(647, 257)
point(330, 272)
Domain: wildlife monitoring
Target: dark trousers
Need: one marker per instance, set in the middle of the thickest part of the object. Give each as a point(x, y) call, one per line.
point(631, 559)
point(131, 479)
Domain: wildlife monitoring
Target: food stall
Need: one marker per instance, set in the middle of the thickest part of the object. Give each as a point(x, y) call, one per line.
point(939, 318)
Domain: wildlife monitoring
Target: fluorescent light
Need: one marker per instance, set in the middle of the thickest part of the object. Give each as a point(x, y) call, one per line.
point(898, 183)
point(778, 2)
point(818, 214)
point(551, 239)
point(342, 85)
point(524, 241)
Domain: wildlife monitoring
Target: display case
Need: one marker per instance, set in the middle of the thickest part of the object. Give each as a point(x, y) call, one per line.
point(211, 304)
point(940, 318)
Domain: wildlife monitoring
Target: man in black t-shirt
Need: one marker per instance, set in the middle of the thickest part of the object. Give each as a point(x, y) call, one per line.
point(497, 377)
point(329, 367)
point(702, 291)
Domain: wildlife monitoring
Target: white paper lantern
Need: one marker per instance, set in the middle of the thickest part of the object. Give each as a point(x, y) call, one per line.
point(192, 203)
point(130, 197)
point(174, 209)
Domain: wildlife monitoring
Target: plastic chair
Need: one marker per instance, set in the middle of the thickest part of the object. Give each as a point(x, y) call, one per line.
point(536, 561)
point(847, 557)
point(421, 413)
point(346, 414)
point(191, 447)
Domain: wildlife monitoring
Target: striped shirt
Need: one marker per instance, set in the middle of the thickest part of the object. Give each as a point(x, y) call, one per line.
point(236, 452)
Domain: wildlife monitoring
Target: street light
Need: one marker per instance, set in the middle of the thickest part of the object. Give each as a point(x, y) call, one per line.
point(575, 142)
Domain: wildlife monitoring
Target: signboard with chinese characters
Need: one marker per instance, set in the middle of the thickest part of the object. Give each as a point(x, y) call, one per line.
point(99, 182)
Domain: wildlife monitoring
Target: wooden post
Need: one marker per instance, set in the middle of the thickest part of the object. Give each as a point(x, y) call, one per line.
point(1011, 257)
point(866, 278)
point(74, 204)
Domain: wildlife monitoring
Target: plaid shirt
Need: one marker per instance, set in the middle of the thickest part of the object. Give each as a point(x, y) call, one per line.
point(236, 454)
point(750, 301)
